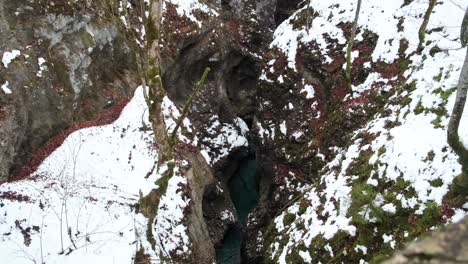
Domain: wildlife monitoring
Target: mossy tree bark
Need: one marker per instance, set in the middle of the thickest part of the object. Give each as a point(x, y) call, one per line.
point(155, 92)
point(188, 103)
point(351, 43)
point(422, 29)
point(460, 101)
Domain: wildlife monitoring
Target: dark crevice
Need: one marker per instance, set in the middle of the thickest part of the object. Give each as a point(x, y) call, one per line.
point(244, 192)
point(241, 88)
point(284, 9)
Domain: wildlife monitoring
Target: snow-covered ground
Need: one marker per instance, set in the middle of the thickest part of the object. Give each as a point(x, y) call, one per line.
point(415, 150)
point(78, 207)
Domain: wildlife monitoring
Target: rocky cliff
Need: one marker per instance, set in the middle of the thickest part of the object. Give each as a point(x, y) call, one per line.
point(348, 170)
point(63, 63)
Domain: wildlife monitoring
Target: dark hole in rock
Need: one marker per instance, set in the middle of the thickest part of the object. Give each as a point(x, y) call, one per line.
point(244, 190)
point(284, 9)
point(241, 89)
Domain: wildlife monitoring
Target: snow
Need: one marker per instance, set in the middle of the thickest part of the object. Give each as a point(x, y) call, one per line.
point(188, 9)
point(8, 57)
point(309, 90)
point(40, 62)
point(374, 14)
point(305, 256)
point(223, 139)
point(458, 216)
point(169, 228)
point(390, 208)
point(415, 149)
point(81, 198)
point(5, 88)
point(389, 239)
point(361, 248)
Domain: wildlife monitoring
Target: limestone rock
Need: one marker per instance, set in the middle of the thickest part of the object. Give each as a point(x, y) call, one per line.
point(449, 245)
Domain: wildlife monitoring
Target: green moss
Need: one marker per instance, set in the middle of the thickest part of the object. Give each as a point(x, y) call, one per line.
point(302, 208)
point(419, 108)
point(87, 39)
point(437, 183)
point(438, 78)
point(294, 256)
point(152, 32)
point(434, 50)
point(381, 151)
point(289, 219)
point(437, 122)
point(403, 65)
point(431, 217)
point(445, 94)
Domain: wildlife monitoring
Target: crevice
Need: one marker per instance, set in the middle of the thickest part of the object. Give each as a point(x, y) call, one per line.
point(243, 186)
point(284, 9)
point(241, 88)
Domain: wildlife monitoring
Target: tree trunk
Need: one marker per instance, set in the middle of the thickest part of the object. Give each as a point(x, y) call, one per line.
point(460, 101)
point(351, 43)
point(156, 91)
point(457, 113)
point(422, 29)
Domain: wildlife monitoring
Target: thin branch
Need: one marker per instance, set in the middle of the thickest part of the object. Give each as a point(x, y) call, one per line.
point(188, 103)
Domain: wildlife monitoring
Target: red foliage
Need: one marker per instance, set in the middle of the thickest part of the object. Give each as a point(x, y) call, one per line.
point(361, 100)
point(13, 196)
point(108, 116)
point(388, 71)
point(3, 113)
point(337, 63)
point(340, 92)
point(447, 213)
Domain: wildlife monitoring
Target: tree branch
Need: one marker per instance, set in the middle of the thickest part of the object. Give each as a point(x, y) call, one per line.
point(351, 43)
point(188, 103)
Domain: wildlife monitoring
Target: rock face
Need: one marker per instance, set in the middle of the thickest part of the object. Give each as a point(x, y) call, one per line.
point(337, 180)
point(74, 62)
point(449, 245)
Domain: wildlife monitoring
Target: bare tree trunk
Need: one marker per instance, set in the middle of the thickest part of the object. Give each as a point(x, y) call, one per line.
point(351, 42)
point(460, 101)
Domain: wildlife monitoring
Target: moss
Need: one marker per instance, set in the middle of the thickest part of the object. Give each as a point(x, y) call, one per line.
point(437, 183)
point(289, 219)
point(434, 50)
point(437, 122)
point(419, 108)
point(403, 65)
point(152, 32)
point(459, 189)
point(438, 78)
point(432, 216)
point(302, 208)
point(381, 151)
point(400, 26)
point(294, 256)
point(444, 95)
point(87, 39)
point(361, 166)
